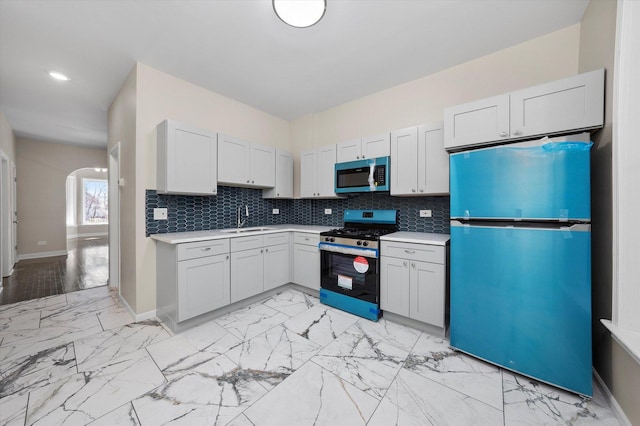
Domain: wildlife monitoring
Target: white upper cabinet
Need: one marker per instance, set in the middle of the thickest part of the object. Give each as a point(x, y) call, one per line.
point(358, 149)
point(242, 163)
point(419, 163)
point(186, 159)
point(570, 104)
point(477, 122)
point(317, 169)
point(284, 177)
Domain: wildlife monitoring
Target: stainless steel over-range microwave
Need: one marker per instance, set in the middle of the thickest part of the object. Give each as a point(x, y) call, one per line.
point(367, 175)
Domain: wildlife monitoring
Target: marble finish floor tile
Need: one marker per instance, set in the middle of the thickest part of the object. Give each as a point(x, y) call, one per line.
point(250, 321)
point(320, 324)
point(369, 354)
point(292, 302)
point(214, 392)
point(97, 350)
point(415, 400)
point(181, 353)
point(14, 410)
point(84, 397)
point(121, 416)
point(273, 355)
point(22, 321)
point(313, 396)
point(24, 374)
point(432, 358)
point(528, 402)
point(51, 302)
point(287, 360)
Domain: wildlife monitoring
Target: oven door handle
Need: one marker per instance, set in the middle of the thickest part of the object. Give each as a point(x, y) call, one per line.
point(371, 253)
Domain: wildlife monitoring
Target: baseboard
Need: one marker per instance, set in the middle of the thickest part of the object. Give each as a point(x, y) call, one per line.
point(613, 404)
point(41, 254)
point(89, 234)
point(137, 317)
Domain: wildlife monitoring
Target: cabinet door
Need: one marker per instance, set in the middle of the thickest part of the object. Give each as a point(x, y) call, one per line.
point(394, 285)
point(187, 159)
point(276, 266)
point(376, 146)
point(234, 160)
point(247, 268)
point(571, 103)
point(433, 161)
point(263, 166)
point(284, 177)
point(306, 266)
point(326, 171)
point(203, 285)
point(427, 292)
point(348, 151)
point(308, 173)
point(477, 122)
point(404, 164)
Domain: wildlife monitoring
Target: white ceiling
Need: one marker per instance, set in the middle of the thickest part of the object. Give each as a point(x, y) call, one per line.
point(240, 49)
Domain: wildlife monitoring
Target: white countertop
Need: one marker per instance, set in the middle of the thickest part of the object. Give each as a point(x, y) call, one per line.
point(417, 237)
point(215, 234)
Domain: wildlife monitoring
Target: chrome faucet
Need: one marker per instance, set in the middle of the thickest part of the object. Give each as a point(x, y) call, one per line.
point(239, 221)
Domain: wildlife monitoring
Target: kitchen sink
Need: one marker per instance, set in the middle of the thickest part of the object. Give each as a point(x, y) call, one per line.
point(243, 230)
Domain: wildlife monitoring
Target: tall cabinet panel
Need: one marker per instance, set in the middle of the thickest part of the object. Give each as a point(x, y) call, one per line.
point(234, 160)
point(433, 160)
point(326, 169)
point(308, 173)
point(404, 163)
point(263, 165)
point(187, 159)
point(316, 172)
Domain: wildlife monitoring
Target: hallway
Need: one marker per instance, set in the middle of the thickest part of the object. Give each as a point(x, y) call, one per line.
point(85, 266)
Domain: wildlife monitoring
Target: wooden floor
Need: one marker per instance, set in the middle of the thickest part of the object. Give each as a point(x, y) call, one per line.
point(85, 266)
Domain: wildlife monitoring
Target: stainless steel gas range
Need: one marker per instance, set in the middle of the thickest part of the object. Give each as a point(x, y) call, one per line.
point(350, 271)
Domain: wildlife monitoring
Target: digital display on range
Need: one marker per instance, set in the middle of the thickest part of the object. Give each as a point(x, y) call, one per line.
point(367, 214)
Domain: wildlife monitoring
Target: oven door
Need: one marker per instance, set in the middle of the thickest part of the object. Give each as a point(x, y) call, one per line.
point(350, 271)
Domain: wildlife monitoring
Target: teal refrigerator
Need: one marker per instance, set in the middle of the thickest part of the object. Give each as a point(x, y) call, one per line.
point(521, 259)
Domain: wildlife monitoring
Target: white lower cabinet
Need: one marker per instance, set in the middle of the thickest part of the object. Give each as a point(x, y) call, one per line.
point(259, 263)
point(247, 274)
point(203, 285)
point(413, 281)
point(192, 279)
point(306, 260)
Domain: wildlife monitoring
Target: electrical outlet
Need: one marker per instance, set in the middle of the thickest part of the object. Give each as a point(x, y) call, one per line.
point(327, 211)
point(160, 214)
point(42, 243)
point(276, 211)
point(425, 213)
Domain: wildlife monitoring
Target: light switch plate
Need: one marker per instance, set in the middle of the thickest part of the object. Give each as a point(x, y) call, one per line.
point(276, 211)
point(160, 214)
point(425, 213)
point(327, 211)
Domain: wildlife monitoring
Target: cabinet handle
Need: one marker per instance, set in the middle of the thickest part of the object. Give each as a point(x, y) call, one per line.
point(413, 190)
point(253, 181)
point(404, 264)
point(227, 257)
point(278, 194)
point(421, 189)
point(247, 180)
point(261, 250)
point(504, 134)
point(413, 265)
point(517, 133)
point(409, 251)
point(205, 248)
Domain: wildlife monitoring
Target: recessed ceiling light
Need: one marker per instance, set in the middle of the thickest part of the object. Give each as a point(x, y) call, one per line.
point(300, 13)
point(58, 76)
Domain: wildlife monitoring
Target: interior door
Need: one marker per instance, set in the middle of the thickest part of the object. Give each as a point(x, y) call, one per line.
point(14, 209)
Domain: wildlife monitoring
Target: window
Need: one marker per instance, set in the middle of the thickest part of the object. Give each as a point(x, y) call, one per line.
point(95, 202)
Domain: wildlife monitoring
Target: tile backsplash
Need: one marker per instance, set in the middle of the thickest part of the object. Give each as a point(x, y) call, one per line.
point(196, 213)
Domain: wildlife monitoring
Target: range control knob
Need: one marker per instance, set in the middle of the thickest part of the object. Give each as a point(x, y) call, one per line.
point(365, 243)
point(359, 243)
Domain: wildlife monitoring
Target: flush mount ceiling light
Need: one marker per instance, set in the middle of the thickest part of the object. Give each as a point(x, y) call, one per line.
point(58, 76)
point(300, 13)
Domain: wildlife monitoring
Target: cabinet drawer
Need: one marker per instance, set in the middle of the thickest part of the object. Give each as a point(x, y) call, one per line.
point(420, 252)
point(247, 243)
point(306, 239)
point(198, 249)
point(274, 239)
